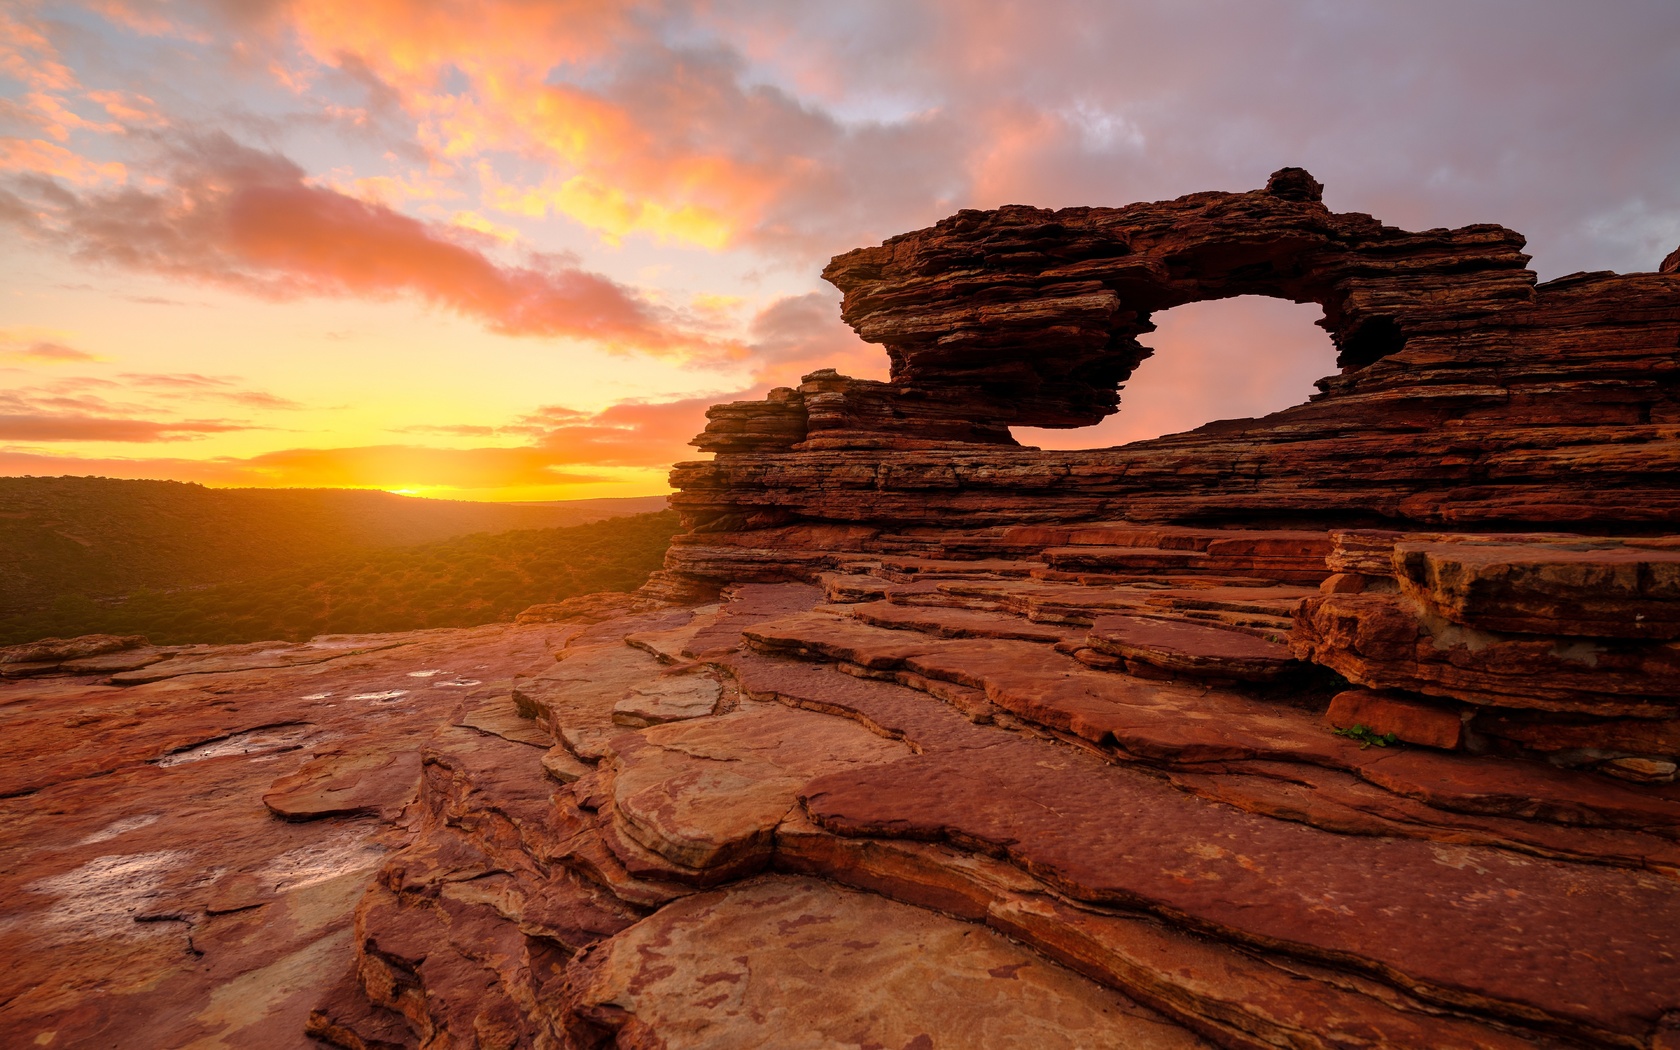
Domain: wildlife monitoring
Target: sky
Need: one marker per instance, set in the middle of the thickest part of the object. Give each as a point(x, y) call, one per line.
point(513, 250)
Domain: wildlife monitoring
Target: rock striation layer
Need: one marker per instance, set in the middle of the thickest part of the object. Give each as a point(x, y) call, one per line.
point(1352, 726)
point(1469, 394)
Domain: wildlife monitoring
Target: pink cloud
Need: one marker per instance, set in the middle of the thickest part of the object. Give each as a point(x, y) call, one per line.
point(195, 385)
point(70, 427)
point(43, 350)
point(798, 334)
point(246, 219)
point(629, 433)
point(40, 157)
point(77, 408)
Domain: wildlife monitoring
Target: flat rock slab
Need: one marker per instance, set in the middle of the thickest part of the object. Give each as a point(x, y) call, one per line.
point(581, 690)
point(798, 964)
point(499, 716)
point(924, 568)
point(749, 603)
point(58, 650)
point(1100, 559)
point(261, 656)
point(955, 623)
point(1602, 590)
point(1408, 720)
point(1178, 723)
point(1261, 604)
point(1579, 947)
point(885, 708)
point(1192, 651)
point(373, 781)
point(668, 646)
point(152, 899)
point(1233, 995)
point(563, 765)
point(708, 793)
point(1387, 641)
point(669, 698)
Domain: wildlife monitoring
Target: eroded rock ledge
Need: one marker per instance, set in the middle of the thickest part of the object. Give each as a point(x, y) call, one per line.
point(1352, 726)
point(1355, 725)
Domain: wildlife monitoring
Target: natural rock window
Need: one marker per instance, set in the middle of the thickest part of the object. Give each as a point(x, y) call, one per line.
point(1247, 356)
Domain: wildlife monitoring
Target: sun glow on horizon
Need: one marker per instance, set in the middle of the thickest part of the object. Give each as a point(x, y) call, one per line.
point(513, 250)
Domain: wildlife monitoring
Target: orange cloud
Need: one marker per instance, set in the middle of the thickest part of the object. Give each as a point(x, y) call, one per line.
point(44, 158)
point(195, 386)
point(39, 346)
point(239, 217)
point(409, 40)
point(630, 433)
point(51, 352)
point(142, 18)
point(78, 408)
point(71, 427)
point(128, 108)
point(407, 466)
point(27, 56)
point(627, 444)
point(635, 433)
point(798, 334)
point(678, 150)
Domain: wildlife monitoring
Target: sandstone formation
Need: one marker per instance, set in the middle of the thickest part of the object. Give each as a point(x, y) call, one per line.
point(1351, 726)
point(180, 857)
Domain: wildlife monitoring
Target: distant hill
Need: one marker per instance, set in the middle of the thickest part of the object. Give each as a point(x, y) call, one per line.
point(100, 538)
point(460, 582)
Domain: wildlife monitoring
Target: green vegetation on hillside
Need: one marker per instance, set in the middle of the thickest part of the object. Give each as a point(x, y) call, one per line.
point(461, 582)
point(105, 538)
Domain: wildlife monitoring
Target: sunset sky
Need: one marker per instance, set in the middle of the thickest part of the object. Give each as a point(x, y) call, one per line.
point(513, 250)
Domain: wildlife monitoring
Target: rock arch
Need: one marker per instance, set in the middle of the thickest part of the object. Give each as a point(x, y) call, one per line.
point(1468, 393)
point(1034, 314)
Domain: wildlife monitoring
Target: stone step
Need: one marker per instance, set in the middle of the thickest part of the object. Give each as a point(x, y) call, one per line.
point(1110, 559)
point(1149, 578)
point(1517, 938)
point(1338, 801)
point(904, 570)
point(1176, 725)
point(1592, 590)
point(706, 795)
point(1235, 997)
point(1323, 797)
point(1281, 556)
point(1167, 648)
point(1385, 641)
point(908, 977)
point(947, 622)
point(1263, 609)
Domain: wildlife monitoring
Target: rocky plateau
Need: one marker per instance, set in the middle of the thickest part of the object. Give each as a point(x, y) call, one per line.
point(1351, 726)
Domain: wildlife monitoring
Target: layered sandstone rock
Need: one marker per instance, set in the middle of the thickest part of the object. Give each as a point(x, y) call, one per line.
point(1469, 395)
point(183, 855)
point(1352, 726)
point(1172, 863)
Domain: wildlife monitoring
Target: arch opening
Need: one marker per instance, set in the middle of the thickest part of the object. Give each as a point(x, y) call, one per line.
point(1372, 341)
point(1246, 356)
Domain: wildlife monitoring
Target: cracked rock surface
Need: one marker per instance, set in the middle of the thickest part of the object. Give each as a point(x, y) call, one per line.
point(1352, 726)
